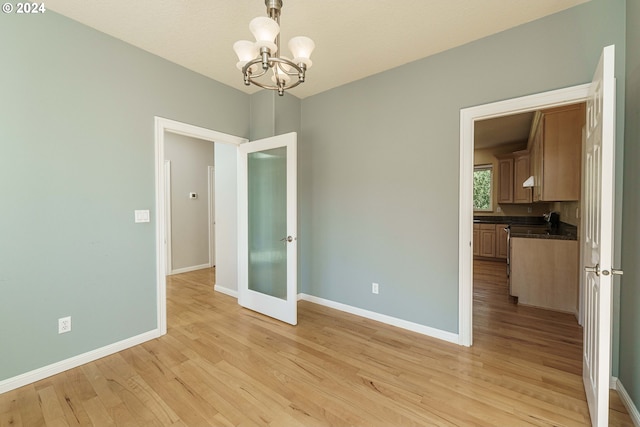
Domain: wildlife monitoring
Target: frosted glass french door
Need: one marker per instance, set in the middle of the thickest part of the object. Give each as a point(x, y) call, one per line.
point(268, 227)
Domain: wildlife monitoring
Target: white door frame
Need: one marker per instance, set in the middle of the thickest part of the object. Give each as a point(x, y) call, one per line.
point(468, 116)
point(167, 218)
point(212, 214)
point(163, 125)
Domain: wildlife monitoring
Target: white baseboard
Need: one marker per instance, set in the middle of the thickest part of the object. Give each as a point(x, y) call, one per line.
point(75, 361)
point(628, 403)
point(383, 318)
point(226, 291)
point(404, 324)
point(188, 269)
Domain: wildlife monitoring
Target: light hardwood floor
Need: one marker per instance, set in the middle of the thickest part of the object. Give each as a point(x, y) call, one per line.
point(223, 365)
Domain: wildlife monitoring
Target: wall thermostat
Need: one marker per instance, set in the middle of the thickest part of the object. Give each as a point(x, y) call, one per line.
point(193, 195)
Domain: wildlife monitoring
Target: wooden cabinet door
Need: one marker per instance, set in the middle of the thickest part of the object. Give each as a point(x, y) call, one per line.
point(536, 162)
point(476, 239)
point(562, 151)
point(505, 180)
point(488, 240)
point(501, 241)
point(521, 171)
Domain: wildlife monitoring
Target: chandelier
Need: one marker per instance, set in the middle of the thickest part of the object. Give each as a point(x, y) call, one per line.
point(262, 59)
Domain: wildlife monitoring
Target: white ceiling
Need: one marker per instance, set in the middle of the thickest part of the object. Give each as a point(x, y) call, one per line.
point(502, 130)
point(354, 38)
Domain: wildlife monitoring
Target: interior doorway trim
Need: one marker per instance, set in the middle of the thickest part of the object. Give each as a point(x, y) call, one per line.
point(162, 126)
point(468, 116)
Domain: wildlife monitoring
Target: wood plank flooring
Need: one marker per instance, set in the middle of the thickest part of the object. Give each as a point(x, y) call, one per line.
point(221, 365)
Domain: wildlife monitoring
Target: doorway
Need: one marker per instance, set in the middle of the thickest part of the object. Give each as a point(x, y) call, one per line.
point(468, 117)
point(189, 167)
point(226, 218)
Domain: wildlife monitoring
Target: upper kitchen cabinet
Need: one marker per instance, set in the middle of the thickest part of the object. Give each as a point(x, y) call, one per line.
point(555, 147)
point(505, 179)
point(513, 170)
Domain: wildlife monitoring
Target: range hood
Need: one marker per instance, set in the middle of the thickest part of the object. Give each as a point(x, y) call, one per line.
point(528, 183)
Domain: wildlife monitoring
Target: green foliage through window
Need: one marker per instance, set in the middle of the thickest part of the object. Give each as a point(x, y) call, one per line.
point(482, 188)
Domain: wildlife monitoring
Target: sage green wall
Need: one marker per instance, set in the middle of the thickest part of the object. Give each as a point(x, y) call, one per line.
point(630, 289)
point(272, 114)
point(77, 114)
point(262, 113)
point(190, 160)
point(384, 158)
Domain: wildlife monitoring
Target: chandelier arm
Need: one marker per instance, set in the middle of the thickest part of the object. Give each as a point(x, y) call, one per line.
point(275, 87)
point(247, 67)
point(289, 63)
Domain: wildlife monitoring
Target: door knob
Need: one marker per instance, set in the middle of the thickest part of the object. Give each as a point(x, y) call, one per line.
point(595, 269)
point(614, 271)
point(288, 239)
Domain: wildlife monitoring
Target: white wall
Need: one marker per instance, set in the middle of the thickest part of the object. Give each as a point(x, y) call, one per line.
point(226, 218)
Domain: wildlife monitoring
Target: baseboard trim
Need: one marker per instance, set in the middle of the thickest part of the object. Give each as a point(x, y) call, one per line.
point(188, 269)
point(628, 403)
point(383, 318)
point(75, 361)
point(226, 291)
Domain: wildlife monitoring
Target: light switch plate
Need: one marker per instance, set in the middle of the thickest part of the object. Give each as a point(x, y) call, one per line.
point(142, 215)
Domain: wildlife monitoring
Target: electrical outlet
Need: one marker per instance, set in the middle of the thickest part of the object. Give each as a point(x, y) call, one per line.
point(64, 324)
point(529, 210)
point(374, 288)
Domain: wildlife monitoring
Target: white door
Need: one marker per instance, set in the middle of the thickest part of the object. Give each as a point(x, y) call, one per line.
point(598, 239)
point(267, 232)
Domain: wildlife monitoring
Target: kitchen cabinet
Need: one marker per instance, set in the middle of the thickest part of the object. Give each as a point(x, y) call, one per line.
point(505, 179)
point(476, 239)
point(488, 240)
point(521, 171)
point(501, 241)
point(544, 273)
point(513, 170)
point(555, 146)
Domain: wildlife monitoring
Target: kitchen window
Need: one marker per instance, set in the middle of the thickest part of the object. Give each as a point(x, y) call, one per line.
point(482, 178)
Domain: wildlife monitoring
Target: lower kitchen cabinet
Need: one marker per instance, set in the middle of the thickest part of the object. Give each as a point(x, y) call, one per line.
point(544, 273)
point(490, 241)
point(476, 239)
point(501, 241)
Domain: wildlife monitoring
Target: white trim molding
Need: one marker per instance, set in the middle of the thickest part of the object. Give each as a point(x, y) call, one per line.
point(468, 116)
point(383, 318)
point(616, 384)
point(75, 361)
point(188, 269)
point(227, 291)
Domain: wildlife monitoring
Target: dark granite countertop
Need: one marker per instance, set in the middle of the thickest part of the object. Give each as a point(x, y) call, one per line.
point(562, 232)
point(531, 227)
point(511, 220)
